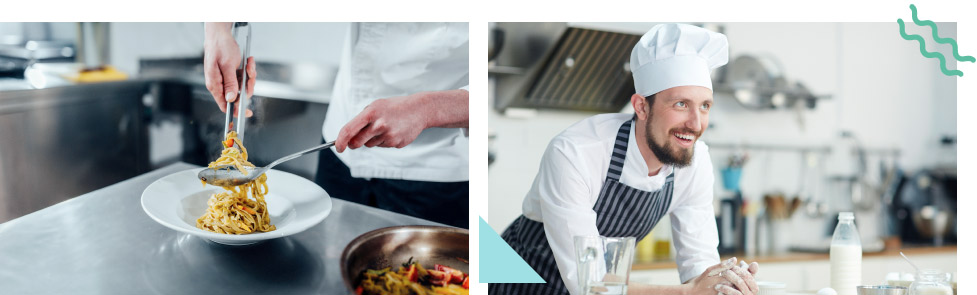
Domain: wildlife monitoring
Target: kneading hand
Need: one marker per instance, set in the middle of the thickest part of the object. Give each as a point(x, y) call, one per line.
point(711, 282)
point(742, 277)
point(726, 278)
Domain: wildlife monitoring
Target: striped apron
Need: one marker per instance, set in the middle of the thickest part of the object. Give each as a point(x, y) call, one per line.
point(622, 211)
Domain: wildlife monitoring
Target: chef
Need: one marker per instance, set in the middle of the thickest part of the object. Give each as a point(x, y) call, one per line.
point(617, 175)
point(402, 87)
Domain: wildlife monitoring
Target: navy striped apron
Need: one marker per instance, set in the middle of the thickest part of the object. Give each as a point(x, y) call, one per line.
point(622, 211)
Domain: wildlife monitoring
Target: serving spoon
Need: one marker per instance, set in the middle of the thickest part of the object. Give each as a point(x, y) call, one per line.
point(228, 175)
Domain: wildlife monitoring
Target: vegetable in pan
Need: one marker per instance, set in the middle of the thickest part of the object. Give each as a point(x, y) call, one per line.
point(413, 279)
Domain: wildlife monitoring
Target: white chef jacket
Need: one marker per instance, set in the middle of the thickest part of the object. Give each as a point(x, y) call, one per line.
point(382, 60)
point(569, 181)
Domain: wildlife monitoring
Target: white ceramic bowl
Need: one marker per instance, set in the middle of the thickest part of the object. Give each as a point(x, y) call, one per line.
point(294, 205)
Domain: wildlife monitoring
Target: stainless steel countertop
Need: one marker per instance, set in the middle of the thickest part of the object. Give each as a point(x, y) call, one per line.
point(103, 243)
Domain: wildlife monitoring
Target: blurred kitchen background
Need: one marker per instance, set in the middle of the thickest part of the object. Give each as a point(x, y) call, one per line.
point(86, 105)
point(810, 119)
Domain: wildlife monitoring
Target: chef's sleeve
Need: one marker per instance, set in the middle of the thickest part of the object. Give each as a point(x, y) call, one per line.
point(693, 219)
point(565, 204)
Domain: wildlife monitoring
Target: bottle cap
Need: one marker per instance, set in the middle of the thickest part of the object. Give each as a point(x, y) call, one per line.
point(846, 216)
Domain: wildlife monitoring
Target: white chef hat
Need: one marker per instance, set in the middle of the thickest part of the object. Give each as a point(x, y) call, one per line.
point(671, 55)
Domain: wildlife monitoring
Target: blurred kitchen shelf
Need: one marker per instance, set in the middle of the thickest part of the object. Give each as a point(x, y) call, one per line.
point(293, 81)
point(796, 256)
point(795, 148)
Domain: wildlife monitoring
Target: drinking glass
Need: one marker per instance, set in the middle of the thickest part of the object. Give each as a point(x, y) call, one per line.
point(603, 264)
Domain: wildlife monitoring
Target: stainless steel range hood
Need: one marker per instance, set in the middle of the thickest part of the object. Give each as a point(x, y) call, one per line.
point(553, 65)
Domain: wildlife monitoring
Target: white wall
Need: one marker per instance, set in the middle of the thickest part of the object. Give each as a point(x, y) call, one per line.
point(882, 90)
point(319, 43)
point(130, 42)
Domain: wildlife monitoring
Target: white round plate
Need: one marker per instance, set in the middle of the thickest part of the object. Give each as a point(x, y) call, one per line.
point(294, 205)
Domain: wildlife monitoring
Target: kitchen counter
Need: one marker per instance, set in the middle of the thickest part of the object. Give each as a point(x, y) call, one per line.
point(103, 243)
point(811, 271)
point(798, 256)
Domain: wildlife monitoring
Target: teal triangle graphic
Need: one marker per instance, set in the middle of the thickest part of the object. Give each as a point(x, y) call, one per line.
point(497, 262)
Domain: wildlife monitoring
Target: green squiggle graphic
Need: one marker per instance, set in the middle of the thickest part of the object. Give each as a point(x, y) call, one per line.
point(932, 25)
point(927, 54)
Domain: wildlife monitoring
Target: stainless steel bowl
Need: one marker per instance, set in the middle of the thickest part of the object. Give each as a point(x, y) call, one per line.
point(393, 246)
point(882, 290)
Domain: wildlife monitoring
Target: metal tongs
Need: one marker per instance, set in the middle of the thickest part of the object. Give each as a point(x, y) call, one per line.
point(242, 101)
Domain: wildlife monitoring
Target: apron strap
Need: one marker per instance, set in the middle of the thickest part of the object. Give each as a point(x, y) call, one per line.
point(620, 150)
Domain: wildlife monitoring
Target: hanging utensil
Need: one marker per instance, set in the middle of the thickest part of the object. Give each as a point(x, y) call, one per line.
point(864, 195)
point(816, 207)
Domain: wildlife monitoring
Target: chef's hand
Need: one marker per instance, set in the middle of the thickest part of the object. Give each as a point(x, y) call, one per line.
point(710, 282)
point(742, 277)
point(222, 57)
point(725, 278)
point(397, 121)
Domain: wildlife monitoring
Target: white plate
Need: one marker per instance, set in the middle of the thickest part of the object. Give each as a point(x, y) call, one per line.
point(294, 205)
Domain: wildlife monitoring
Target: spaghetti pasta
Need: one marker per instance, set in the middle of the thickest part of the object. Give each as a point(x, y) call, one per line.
point(232, 211)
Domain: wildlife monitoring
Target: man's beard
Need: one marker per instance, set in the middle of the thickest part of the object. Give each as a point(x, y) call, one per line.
point(665, 153)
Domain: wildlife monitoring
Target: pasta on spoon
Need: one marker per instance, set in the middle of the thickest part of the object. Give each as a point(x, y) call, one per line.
point(233, 211)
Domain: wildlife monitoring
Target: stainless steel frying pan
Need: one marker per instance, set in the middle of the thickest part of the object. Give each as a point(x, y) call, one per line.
point(393, 246)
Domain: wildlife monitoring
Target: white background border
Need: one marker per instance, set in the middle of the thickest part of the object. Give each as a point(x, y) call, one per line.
point(479, 13)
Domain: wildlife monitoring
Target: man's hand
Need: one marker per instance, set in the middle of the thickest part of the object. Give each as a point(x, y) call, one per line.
point(725, 278)
point(710, 282)
point(397, 121)
point(742, 277)
point(222, 57)
point(390, 122)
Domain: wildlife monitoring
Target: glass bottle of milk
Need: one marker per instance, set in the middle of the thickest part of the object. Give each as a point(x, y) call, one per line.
point(846, 256)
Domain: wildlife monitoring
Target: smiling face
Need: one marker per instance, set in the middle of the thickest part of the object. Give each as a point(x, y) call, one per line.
point(678, 116)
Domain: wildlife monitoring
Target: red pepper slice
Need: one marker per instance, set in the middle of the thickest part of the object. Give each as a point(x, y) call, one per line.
point(451, 275)
point(437, 277)
point(456, 276)
point(359, 290)
point(412, 273)
point(465, 283)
